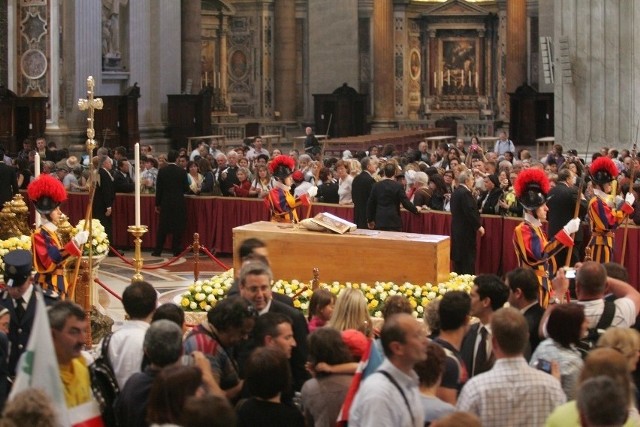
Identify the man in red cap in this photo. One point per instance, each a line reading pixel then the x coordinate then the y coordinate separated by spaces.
pixel 280 200
pixel 603 212
pixel 49 254
pixel 533 249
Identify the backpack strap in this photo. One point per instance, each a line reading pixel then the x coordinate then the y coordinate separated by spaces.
pixel 608 313
pixel 395 383
pixel 104 349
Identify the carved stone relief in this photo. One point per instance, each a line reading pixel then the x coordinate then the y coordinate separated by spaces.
pixel 33 49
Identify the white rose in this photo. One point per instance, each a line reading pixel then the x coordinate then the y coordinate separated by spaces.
pixel 211 298
pixel 200 296
pixel 193 305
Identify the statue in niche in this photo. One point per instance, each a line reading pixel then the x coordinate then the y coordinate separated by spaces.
pixel 111 52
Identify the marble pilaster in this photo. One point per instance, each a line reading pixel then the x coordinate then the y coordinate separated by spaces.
pixel 516 44
pixel 4 43
pixel 191 23
pixel 383 54
pixel 284 61
pixel 333 45
pixel 597 102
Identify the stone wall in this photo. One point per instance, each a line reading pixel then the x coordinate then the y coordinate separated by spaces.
pixel 598 103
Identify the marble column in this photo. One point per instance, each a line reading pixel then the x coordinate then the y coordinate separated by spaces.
pixel 383 67
pixel 285 58
pixel 4 43
pixel 516 44
pixel 224 29
pixel 191 22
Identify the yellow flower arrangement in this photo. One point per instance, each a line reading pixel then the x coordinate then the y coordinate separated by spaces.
pixel 202 295
pixel 98 238
pixel 13 243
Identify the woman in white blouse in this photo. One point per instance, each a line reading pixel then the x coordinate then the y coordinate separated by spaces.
pixel 344 182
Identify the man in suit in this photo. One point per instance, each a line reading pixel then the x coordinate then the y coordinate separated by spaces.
pixel 383 207
pixel 488 295
pixel 255 286
pixel 361 190
pixel 122 178
pixel 523 295
pixel 465 223
pixel 562 204
pixel 8 180
pixel 19 299
pixel 171 186
pixel 104 196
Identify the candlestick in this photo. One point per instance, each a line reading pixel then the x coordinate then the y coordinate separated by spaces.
pixel 36 165
pixel 138 232
pixel 137 182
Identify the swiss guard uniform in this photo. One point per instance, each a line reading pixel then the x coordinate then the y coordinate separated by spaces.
pixel 281 203
pixel 49 254
pixel 533 248
pixel 604 216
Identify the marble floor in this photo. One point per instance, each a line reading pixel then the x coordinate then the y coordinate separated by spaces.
pixel 169 282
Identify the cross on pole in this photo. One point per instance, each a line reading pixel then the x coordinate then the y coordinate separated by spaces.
pixel 90 104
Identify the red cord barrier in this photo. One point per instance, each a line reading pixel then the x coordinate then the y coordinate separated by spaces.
pixel 154 267
pixel 216 260
pixel 108 289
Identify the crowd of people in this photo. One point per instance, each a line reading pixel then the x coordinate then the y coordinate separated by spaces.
pixel 534 347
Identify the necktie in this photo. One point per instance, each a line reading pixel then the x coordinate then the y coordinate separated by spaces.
pixel 480 363
pixel 20 310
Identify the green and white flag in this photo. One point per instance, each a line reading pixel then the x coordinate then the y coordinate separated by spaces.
pixel 38 365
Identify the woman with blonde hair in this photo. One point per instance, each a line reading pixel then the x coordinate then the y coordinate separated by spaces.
pixel 624 340
pixel 351 312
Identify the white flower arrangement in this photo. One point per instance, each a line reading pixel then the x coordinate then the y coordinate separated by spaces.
pixel 11 244
pixel 98 238
pixel 202 295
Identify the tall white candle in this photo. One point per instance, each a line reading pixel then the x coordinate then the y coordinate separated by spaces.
pixel 469 78
pixel 136 151
pixel 476 79
pixel 36 168
pixel 435 79
pixel 449 77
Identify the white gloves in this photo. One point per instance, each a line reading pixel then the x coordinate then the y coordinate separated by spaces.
pixel 629 198
pixel 312 191
pixel 572 226
pixel 81 238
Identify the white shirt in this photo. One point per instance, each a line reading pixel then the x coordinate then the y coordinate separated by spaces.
pixel 379 403
pixel 126 349
pixel 624 316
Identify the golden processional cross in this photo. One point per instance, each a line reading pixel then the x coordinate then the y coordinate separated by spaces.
pixel 90 104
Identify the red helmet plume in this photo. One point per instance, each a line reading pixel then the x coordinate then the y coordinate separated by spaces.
pixel 282 166
pixel 531 188
pixel 46 193
pixel 603 170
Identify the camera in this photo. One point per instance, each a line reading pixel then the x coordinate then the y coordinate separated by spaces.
pixel 570 273
pixel 543 365
pixel 474 147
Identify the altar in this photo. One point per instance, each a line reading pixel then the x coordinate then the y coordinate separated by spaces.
pixel 360 256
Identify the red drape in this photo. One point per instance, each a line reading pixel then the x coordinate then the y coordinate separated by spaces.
pixel 215 217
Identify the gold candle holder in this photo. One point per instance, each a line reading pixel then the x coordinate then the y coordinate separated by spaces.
pixel 137 231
